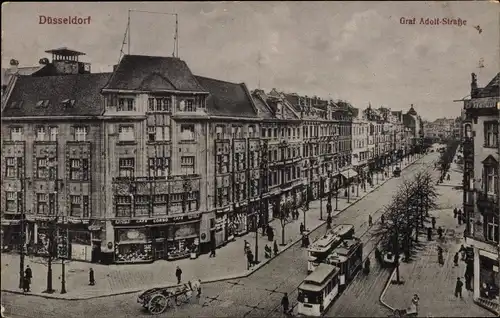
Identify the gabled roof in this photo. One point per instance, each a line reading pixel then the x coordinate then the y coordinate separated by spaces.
pixel 492 89
pixel 294 100
pixel 153 73
pixel 259 100
pixel 51 91
pixel 227 99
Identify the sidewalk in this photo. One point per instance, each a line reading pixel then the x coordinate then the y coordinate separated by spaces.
pixel 229 263
pixel 435 284
pixel 456 175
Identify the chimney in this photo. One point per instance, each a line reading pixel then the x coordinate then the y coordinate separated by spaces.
pixel 473 86
pixel 14 65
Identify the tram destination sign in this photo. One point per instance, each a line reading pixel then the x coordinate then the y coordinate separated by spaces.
pixel 482 103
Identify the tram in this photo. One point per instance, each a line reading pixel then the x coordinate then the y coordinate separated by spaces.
pixel 325 245
pixel 348 257
pixel 318 291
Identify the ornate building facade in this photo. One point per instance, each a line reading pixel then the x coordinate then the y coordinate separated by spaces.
pixel 481 189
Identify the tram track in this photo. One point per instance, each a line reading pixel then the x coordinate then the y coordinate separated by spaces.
pixel 276 308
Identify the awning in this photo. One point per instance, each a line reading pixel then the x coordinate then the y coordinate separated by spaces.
pixel 349 173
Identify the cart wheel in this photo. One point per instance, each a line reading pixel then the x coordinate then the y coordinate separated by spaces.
pixel 157 304
pixel 180 299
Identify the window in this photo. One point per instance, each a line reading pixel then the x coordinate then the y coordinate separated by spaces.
pixel 42 203
pixel 160 104
pixel 123 206
pixel 192 201
pixel 251 131
pixel 239 161
pixel 126 133
pixel 11 169
pixel 222 164
pixel 16 134
pixel 79 169
pixel 126 167
pixel 86 211
pixel 40 133
pixel 490 134
pixel 190 106
pixel 491 228
pixel 126 104
pixel 53 131
pixel 222 196
pixel 491 183
pixel 11 201
pixel 159 169
pixel 42 103
pixel 187 132
pixel 158 133
pixel 220 132
pixel 52 166
pixel 80 133
pixel 187 165
pixel 75 207
pixel 41 168
pixel 52 203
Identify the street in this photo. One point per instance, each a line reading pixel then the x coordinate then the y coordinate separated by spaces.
pixel 257 295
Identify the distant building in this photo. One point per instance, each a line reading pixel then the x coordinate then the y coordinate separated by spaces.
pixel 481 189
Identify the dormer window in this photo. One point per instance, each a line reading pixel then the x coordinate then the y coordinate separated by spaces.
pixel 219 132
pixel 42 103
pixel 68 102
pixel 251 131
pixel 126 104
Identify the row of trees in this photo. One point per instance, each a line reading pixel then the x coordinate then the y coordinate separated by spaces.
pixel 447 156
pixel 404 217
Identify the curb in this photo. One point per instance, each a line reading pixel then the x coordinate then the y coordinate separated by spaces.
pixel 382 294
pixel 213 280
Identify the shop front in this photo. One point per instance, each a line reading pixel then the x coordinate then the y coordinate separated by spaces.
pixel 238 222
pixel 133 245
pixel 488 278
pixel 11 235
pixel 219 232
pixel 183 239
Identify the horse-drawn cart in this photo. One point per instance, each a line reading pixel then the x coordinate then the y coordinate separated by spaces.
pixel 157 300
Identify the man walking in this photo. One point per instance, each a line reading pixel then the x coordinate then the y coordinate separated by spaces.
pixel 91 277
pixel 329 222
pixel 285 303
pixel 29 275
pixel 302 228
pixel 178 274
pixel 370 220
pixel 433 221
pixel 458 288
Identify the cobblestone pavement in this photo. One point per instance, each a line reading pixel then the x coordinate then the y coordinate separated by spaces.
pixel 256 295
pixel 435 284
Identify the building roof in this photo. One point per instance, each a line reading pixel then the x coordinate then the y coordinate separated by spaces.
pixel 81 91
pixel 65 51
pixel 29 70
pixel 259 98
pixel 492 89
pixel 227 99
pixel 321 273
pixel 153 73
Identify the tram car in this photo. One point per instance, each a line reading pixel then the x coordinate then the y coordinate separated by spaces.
pixel 324 246
pixel 348 257
pixel 318 291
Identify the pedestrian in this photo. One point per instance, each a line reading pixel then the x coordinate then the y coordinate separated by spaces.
pixel 285 303
pixel 268 251
pixel 275 248
pixel 433 221
pixel 382 219
pixel 329 222
pixel 198 291
pixel 463 252
pixel 459 218
pixel 302 228
pixel 250 259
pixel 455 212
pixel 370 220
pixel 91 277
pixel 212 251
pixel 458 288
pixel 429 234
pixel 245 249
pixel 440 232
pixel 455 259
pixel 28 274
pixel 26 284
pixel 178 274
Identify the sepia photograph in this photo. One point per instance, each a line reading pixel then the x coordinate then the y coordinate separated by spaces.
pixel 250 159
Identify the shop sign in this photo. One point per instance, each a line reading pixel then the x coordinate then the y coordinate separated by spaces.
pixel 160 220
pixel 478 103
pixel 119 222
pixel 193 216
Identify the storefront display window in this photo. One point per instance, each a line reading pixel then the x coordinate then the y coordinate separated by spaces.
pixel 79 237
pixel 182 240
pixel 488 278
pixel 133 245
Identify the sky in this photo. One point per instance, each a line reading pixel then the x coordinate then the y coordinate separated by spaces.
pixel 354 51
